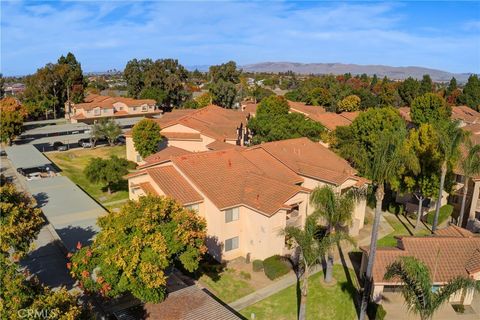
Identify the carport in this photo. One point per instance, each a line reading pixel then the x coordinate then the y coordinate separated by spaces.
pixel 71 212
pixel 28 158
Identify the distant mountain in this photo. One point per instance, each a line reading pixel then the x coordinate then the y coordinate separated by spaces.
pixel 397 73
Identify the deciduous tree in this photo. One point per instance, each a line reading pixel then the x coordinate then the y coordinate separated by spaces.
pixel 429 108
pixel 349 103
pixel 11 119
pixel 223 93
pixel 146 137
pixel 106 171
pixel 20 221
pixel 135 247
pixel 110 130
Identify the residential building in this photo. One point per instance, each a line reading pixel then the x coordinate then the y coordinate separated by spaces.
pixel 449 253
pixel 96 107
pixel 464 114
pixel 329 120
pixel 198 130
pixel 248 195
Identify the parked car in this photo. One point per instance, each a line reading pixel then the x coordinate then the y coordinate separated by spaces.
pixel 121 140
pixel 34 176
pixel 85 143
pixel 60 146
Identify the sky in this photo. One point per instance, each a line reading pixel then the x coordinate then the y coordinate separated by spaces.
pixel 105 35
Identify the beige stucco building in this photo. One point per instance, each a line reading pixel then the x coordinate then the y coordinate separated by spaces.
pixel 449 253
pixel 96 107
pixel 209 128
pixel 247 195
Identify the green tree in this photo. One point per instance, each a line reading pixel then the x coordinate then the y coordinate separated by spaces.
pixel 135 247
pixel 409 90
pixel 418 289
pixel 146 137
pixel 426 85
pixel 227 72
pixel 20 221
pixel 349 103
pixel 154 93
pixel 204 100
pixel 318 97
pixel 450 137
pixel 11 120
pixel 259 93
pixel 471 93
pixel 2 86
pixel 134 74
pixel 273 105
pixel 22 292
pixel 223 93
pixel 429 108
pixel 452 86
pixel 358 141
pixel 310 253
pixel 110 130
pixel 470 166
pixel 106 171
pixel 73 78
pixel 336 210
pixel 387 160
pixel 423 143
pixel 169 76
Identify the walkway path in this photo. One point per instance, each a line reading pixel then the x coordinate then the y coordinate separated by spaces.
pixel 114 202
pixel 291 278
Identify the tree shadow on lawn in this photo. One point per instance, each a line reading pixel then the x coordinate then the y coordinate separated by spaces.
pixel 349 285
pixel 122 185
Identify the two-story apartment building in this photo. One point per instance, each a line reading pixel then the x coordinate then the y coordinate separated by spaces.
pixel 96 107
pixel 247 195
pixel 208 128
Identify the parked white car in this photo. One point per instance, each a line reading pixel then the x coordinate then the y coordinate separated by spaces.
pixel 34 176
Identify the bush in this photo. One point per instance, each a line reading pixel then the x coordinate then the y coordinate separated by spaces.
pixel 257 265
pixel 245 275
pixel 444 214
pixel 275 267
pixel 376 311
pixel 395 208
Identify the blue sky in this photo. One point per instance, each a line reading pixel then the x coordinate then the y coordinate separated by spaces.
pixel 105 35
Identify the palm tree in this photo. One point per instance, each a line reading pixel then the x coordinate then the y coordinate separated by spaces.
pixel 450 139
pixel 389 158
pixel 470 165
pixel 310 251
pixel 337 210
pixel 417 286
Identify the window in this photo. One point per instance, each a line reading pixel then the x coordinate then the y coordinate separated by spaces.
pixel 192 207
pixel 231 244
pixel 231 215
pixel 144 108
pixel 139 158
pixel 96 112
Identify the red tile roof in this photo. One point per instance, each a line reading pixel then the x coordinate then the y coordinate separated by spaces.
pixel 213 121
pixel 329 120
pixel 447 254
pixel 171 182
pixel 219 145
pixel 162 156
pixel 106 102
pixel 229 178
pixel 311 159
pixel 148 188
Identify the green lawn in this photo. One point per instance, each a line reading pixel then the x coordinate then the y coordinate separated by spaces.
pixel 443 215
pixel 400 229
pixel 323 302
pixel 73 162
pixel 228 285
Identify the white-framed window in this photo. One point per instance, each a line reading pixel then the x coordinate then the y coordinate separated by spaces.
pixel 231 244
pixel 232 214
pixel 144 108
pixel 96 112
pixel 194 207
pixel 139 158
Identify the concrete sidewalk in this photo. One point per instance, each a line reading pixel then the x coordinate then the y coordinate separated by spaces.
pixel 291 278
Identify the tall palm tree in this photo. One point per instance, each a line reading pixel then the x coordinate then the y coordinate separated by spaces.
pixel 450 139
pixel 311 252
pixel 389 158
pixel 417 286
pixel 337 210
pixel 470 165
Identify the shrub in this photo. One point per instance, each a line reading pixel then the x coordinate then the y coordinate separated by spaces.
pixel 275 267
pixel 245 275
pixel 257 265
pixel 376 311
